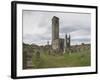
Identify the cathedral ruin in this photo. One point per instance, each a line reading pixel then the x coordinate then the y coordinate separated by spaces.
pixel 59 44
pixel 32 54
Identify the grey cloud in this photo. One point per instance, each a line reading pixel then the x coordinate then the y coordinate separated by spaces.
pixel 34 38
pixel 78 25
pixel 67 29
pixel 82 39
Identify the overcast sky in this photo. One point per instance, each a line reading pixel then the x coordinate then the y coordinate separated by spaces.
pixel 37 26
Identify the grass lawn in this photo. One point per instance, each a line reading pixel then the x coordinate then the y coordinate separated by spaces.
pixel 66 60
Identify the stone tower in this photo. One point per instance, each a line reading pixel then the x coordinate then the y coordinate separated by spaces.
pixel 66 43
pixel 55 33
pixel 58 44
pixel 55 28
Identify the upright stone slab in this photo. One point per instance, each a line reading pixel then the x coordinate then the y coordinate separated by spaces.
pixel 37 55
pixel 24 60
pixel 27 59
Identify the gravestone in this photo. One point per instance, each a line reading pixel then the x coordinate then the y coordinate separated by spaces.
pixel 27 59
pixel 37 59
pixel 37 55
pixel 24 60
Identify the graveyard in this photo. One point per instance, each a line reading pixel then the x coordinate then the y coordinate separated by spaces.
pixel 42 58
pixel 58 53
pixel 66 60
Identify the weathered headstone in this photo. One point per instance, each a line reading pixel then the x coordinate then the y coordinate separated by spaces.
pixel 24 60
pixel 37 55
pixel 37 59
pixel 27 59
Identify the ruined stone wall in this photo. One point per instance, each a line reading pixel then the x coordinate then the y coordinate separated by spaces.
pixel 55 44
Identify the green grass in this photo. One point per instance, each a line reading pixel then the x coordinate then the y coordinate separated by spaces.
pixel 66 60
